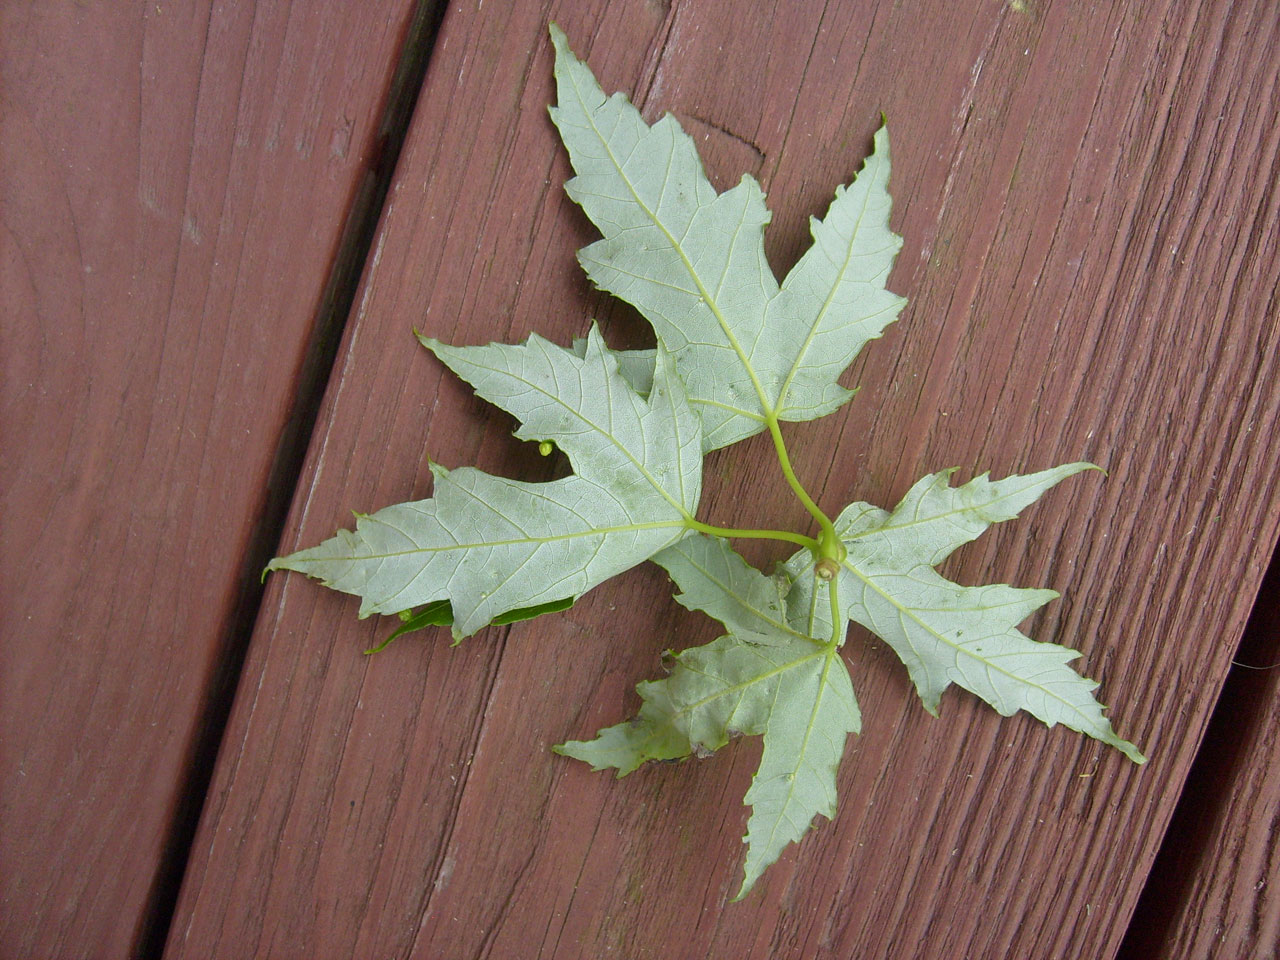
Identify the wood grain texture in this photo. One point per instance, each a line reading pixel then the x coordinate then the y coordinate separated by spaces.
pixel 1088 200
pixel 177 179
pixel 1212 891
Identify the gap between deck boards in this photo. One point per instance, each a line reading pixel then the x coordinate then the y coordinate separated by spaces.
pixel 326 336
pixel 1186 848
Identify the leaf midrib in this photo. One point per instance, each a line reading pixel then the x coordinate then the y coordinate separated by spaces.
pixel 822 312
pixel 594 532
pixel 765 407
pixel 829 652
pixel 948 513
pixel 752 681
pixel 644 471
pixel 724 587
pixel 959 648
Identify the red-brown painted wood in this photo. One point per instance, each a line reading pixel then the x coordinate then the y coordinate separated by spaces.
pixel 1087 196
pixel 1212 891
pixel 177 180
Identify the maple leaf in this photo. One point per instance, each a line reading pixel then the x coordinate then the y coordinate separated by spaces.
pixel 737 353
pixel 946 633
pixel 692 262
pixel 491 545
pixel 772 676
pixel 768 677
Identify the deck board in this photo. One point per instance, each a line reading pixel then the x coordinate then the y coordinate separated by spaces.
pixel 177 182
pixel 1212 889
pixel 1090 217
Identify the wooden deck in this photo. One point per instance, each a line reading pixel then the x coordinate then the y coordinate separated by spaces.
pixel 214 252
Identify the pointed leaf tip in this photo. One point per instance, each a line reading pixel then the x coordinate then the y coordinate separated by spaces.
pixel 1130 751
